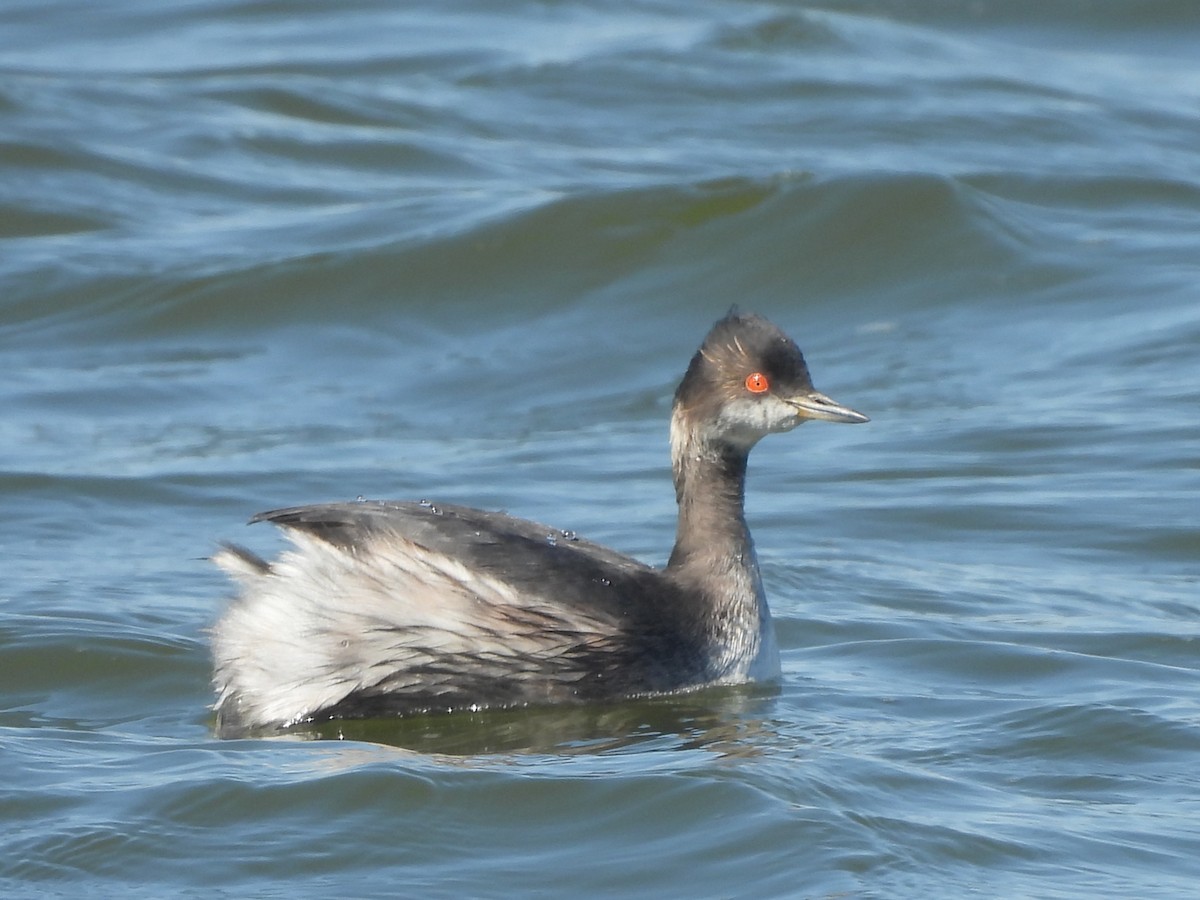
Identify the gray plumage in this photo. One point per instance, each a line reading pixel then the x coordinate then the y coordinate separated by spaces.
pixel 383 608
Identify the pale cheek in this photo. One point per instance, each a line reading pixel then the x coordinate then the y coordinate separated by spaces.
pixel 786 417
pixel 753 419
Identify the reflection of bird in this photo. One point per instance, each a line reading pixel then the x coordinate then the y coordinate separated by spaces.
pixel 386 608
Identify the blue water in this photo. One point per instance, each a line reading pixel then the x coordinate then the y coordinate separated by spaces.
pixel 255 254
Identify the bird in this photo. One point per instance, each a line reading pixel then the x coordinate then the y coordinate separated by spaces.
pixel 393 608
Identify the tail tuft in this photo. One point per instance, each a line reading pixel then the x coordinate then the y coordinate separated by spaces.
pixel 241 563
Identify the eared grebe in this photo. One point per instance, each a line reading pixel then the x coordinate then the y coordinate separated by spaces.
pixel 387 608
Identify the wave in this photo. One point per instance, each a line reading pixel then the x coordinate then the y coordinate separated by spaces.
pixel 879 240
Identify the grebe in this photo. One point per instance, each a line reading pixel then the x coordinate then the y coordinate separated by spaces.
pixel 385 608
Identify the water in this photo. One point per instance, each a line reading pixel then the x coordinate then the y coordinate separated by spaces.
pixel 257 254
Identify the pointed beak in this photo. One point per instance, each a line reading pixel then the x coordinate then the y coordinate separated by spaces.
pixel 815 405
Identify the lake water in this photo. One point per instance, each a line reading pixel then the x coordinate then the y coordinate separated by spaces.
pixel 256 254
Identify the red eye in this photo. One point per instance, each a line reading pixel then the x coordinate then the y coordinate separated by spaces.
pixel 756 382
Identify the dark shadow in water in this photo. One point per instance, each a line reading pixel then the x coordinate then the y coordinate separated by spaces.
pixel 728 721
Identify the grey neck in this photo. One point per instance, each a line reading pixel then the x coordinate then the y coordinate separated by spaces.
pixel 714 557
pixel 710 486
pixel 713 549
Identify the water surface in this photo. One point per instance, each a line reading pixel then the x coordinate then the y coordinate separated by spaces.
pixel 257 254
